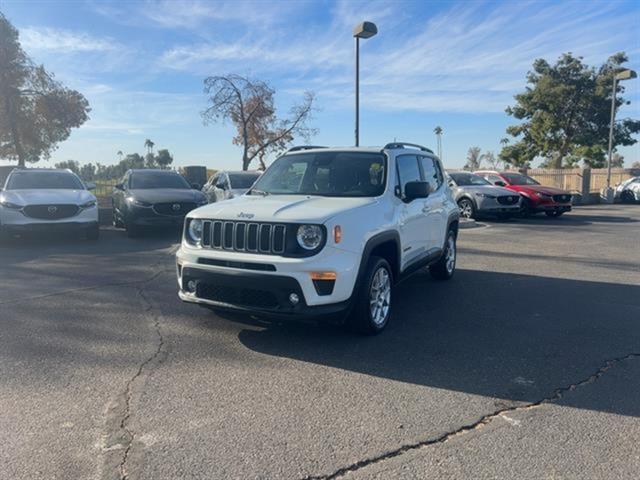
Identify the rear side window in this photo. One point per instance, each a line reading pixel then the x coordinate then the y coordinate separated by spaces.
pixel 432 174
pixel 408 170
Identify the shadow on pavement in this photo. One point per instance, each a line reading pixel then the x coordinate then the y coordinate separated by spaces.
pixel 514 337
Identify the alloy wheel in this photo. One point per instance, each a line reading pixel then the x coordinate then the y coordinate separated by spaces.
pixel 380 296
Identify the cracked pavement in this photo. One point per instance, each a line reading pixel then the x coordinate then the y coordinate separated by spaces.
pixel 525 365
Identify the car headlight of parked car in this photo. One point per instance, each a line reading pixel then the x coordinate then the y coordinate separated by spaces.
pixel 310 237
pixel 194 230
pixel 89 204
pixel 138 203
pixel 10 205
pixel 485 195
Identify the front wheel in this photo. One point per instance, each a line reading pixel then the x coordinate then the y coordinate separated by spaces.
pixel 445 267
pixel 467 209
pixel 553 213
pixel 372 309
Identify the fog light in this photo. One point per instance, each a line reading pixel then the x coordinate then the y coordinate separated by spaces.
pixel 294 298
pixel 191 286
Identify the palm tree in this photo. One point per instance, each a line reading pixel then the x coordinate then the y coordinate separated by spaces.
pixel 438 132
pixel 504 142
pixel 120 155
pixel 148 144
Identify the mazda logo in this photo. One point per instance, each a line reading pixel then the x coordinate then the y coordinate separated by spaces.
pixel 175 207
pixel 52 209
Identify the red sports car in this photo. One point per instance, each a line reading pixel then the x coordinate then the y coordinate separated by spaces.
pixel 535 197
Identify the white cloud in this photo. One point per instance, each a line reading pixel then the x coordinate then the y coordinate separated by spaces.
pixel 65 41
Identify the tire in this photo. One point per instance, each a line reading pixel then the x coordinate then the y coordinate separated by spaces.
pixel 467 208
pixel 116 221
pixel 445 267
pixel 526 209
pixel 93 233
pixel 627 196
pixel 376 284
pixel 553 214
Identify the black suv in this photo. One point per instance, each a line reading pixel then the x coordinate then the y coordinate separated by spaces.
pixel 148 198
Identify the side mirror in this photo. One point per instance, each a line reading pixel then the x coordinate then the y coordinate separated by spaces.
pixel 90 185
pixel 500 183
pixel 196 186
pixel 413 190
pixel 119 186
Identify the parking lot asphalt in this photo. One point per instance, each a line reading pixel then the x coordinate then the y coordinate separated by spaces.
pixel 525 365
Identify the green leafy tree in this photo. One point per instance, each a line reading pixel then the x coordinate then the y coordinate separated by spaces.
pixel 565 113
pixel 36 112
pixel 150 161
pixel 474 159
pixel 72 165
pixel 164 158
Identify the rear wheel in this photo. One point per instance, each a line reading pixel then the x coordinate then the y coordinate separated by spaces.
pixel 526 208
pixel 372 309
pixel 444 268
pixel 627 196
pixel 467 209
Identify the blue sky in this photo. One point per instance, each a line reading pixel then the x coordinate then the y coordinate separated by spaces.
pixel 456 64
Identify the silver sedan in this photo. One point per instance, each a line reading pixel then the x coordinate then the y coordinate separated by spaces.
pixel 476 196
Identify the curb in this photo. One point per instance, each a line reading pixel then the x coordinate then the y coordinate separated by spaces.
pixel 467 223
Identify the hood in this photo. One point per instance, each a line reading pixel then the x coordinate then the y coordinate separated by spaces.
pixel 487 189
pixel 542 189
pixel 161 195
pixel 45 197
pixel 285 208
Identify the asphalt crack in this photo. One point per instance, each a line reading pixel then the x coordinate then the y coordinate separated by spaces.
pixel 482 422
pixel 119 440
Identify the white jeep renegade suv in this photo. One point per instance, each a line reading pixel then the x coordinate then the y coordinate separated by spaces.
pixel 324 233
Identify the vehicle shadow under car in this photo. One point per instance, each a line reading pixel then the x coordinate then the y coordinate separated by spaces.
pixel 514 337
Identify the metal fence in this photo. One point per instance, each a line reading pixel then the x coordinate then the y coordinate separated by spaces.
pixel 571 179
pixel 103 191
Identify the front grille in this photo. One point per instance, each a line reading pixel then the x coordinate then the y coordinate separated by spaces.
pixel 175 209
pixel 508 199
pixel 246 297
pixel 251 237
pixel 50 212
pixel 564 198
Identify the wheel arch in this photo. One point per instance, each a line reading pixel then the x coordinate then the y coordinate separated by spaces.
pixel 385 245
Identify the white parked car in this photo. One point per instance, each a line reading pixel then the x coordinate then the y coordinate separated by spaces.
pixel 629 190
pixel 324 233
pixel 227 184
pixel 47 200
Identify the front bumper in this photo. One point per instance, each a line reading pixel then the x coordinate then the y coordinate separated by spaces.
pixel 251 293
pixel 58 227
pixel 276 275
pixel 147 217
pixel 15 220
pixel 491 206
pixel 552 207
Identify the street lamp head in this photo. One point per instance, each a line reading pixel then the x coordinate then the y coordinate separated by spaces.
pixel 626 75
pixel 365 30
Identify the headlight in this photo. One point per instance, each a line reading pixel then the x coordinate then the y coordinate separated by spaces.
pixel 194 230
pixel 13 206
pixel 138 203
pixel 544 195
pixel 89 204
pixel 485 195
pixel 310 237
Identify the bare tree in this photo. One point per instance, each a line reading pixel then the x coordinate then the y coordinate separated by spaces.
pixel 474 159
pixel 249 105
pixel 494 162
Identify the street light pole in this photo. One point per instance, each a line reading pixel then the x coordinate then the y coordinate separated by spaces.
pixel 357 92
pixel 622 75
pixel 363 30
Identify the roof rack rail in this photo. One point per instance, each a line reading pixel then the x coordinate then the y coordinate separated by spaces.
pixel 305 147
pixel 394 145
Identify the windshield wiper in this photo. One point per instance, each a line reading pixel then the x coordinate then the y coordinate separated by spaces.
pixel 259 192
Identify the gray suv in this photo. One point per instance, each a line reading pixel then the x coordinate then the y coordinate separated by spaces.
pixel 475 196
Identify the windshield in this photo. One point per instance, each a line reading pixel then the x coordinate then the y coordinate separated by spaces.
pixel 331 174
pixel 243 180
pixel 467 179
pixel 44 180
pixel 146 180
pixel 519 179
